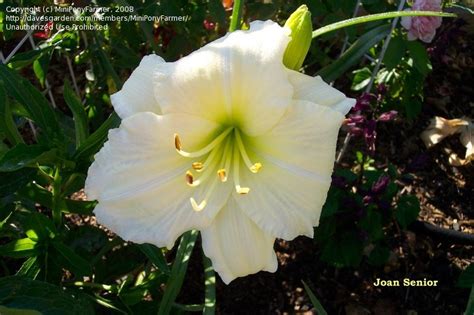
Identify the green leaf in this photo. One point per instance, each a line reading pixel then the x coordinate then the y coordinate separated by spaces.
pixel 30 268
pixel 372 224
pixel 24 59
pixel 12 181
pixel 78 112
pixel 78 265
pixel 7 123
pixel 35 103
pixel 23 293
pixel 353 55
pixel 178 271
pixel 23 155
pixel 316 304
pixel 95 140
pixel 413 107
pixel 156 256
pixel 395 52
pixel 20 248
pixel 42 227
pixel 470 303
pixel 361 79
pixel 466 279
pixel 44 197
pixel 346 251
pixel 17 311
pixel 421 60
pixel 210 285
pixel 379 255
pixel 41 65
pixel 331 206
pixel 408 208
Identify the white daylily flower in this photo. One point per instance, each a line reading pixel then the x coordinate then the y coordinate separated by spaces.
pixel 227 141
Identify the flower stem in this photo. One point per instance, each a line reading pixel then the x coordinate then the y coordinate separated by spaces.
pixel 56 192
pixel 375 17
pixel 236 15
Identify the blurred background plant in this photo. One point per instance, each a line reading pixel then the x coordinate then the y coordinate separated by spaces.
pixel 55 113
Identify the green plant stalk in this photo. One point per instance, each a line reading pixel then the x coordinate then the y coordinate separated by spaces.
pixel 376 17
pixel 236 15
pixel 56 192
pixel 210 283
pixel 316 304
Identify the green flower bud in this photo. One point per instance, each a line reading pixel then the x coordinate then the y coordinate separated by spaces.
pixel 301 28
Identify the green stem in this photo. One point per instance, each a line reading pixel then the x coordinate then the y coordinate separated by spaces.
pixel 56 192
pixel 375 17
pixel 236 15
pixel 210 283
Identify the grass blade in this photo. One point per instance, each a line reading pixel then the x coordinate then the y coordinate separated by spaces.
pixel 178 271
pixel 316 304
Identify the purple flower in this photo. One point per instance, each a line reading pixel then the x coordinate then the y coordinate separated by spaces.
pixel 363 102
pixel 381 184
pixel 387 116
pixel 356 119
pixel 382 89
pixel 370 134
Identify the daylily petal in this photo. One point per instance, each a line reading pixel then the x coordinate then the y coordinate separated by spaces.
pixel 314 89
pixel 287 195
pixel 219 81
pixel 236 245
pixel 137 93
pixel 139 179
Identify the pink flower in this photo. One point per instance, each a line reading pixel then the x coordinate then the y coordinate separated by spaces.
pixel 423 27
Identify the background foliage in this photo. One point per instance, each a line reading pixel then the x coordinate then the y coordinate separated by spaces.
pixel 55 113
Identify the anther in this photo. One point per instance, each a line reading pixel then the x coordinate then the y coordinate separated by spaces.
pixel 242 190
pixel 198 166
pixel 253 167
pixel 208 148
pixel 222 175
pixel 256 167
pixel 189 178
pixel 198 207
pixel 177 142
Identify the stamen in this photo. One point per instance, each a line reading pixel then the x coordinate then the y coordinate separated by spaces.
pixel 177 142
pixel 198 166
pixel 204 150
pixel 226 159
pixel 222 175
pixel 209 160
pixel 189 178
pixel 199 207
pixel 238 188
pixel 253 167
pixel 208 168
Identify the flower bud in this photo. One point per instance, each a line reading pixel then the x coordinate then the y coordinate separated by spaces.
pixel 301 29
